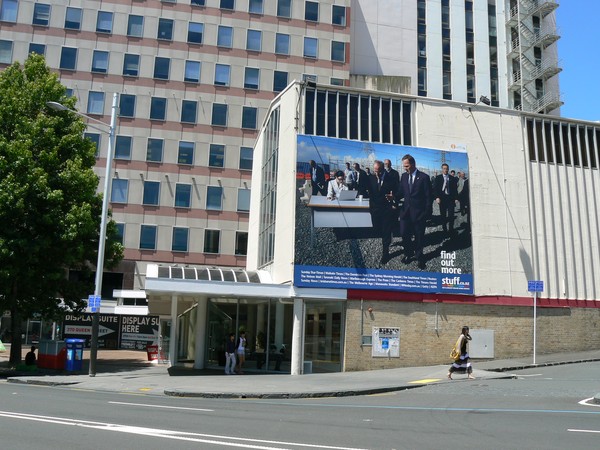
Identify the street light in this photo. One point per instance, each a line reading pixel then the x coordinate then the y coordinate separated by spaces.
pixel 106 195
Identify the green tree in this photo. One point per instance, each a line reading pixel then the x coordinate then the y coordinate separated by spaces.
pixel 49 206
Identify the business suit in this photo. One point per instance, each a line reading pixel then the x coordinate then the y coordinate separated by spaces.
pixel 383 210
pixel 361 182
pixel 415 210
pixel 447 193
pixel 317 176
pixel 463 198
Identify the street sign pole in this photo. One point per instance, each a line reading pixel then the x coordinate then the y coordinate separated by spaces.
pixel 534 323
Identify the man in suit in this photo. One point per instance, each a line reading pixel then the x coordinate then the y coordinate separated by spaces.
pixel 387 165
pixel 446 193
pixel 415 189
pixel 317 176
pixel 361 181
pixel 463 197
pixel 382 190
pixel 349 174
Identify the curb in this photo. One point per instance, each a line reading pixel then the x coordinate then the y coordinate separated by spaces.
pixel 547 364
pixel 41 382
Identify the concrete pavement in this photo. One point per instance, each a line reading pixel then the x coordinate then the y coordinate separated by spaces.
pixel 129 372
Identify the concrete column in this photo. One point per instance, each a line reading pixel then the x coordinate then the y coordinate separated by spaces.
pixel 298 338
pixel 200 350
pixel 173 336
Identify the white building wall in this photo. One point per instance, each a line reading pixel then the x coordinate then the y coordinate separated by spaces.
pixel 434 49
pixel 482 49
pixel 458 49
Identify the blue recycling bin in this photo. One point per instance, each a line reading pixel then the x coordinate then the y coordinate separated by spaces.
pixel 74 362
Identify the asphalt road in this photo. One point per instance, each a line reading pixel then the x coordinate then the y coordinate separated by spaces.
pixel 544 408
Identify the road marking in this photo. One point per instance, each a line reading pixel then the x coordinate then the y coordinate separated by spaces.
pixel 160 406
pixel 585 402
pixel 426 380
pixel 583 431
pixel 530 375
pixel 212 439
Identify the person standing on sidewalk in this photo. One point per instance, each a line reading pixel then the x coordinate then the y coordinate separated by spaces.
pixel 241 352
pixel 230 355
pixel 462 363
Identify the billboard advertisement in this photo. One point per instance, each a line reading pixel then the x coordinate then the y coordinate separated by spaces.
pixel 382 216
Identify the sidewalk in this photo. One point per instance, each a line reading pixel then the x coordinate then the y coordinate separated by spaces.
pixel 129 372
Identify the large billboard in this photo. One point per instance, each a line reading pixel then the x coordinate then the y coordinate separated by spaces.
pixel 369 218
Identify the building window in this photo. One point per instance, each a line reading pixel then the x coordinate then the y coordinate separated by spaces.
pixel 246 158
pixel 222 72
pixel 41 15
pixel 127 105
pixel 180 239
pixel 161 68
pixel 225 36
pixel 254 40
pixel 251 78
pixel 280 81
pixel 188 111
pixel 211 241
pixel 336 81
pixel 255 6
pixel 154 150
pixel 100 61
pixel 282 44
pixel 183 195
pixel 118 192
pixel 214 198
pixel 198 2
pixel 311 11
pixel 338 51
pixel 151 193
pixel 310 47
pixel 158 108
pixel 95 103
pixel 249 115
pixel 120 232
pixel 39 49
pixel 195 32
pixel 338 15
pixel 165 29
pixel 131 65
pixel 192 71
pixel 135 26
pixel 216 155
pixel 241 243
pixel 6 52
pixel 219 114
pixel 68 58
pixel 284 8
pixel 123 147
pixel 73 18
pixel 104 22
pixel 243 200
pixel 148 237
pixel 227 4
pixel 185 154
pixel 95 138
pixel 309 77
pixel 8 10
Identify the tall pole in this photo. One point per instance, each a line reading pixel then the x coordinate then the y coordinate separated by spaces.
pixel 534 323
pixel 102 237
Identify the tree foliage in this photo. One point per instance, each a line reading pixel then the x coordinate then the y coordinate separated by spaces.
pixel 49 206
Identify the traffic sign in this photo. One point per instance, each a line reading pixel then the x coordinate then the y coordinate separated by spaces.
pixel 94 302
pixel 535 286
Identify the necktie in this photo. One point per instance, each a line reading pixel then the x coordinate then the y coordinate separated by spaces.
pixel 445 187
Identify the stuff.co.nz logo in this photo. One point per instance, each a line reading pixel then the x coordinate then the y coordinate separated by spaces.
pixel 455 283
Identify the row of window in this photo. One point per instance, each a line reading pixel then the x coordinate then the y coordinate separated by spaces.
pixel 183 195
pixel 104 19
pixel 180 239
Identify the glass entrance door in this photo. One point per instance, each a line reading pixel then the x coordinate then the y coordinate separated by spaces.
pixel 323 336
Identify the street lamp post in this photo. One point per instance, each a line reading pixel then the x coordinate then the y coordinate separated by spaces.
pixel 104 218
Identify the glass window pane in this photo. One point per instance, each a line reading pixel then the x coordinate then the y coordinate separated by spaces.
pixel 241 243
pixel 222 74
pixel 282 44
pixel 40 49
pixel 123 147
pixel 251 78
pixel 254 40
pixel 100 62
pixel 180 239
pixel 8 10
pixel 338 15
pixel 68 58
pixel 255 6
pixel 225 36
pixel 310 47
pixel 219 114
pixel 73 18
pixel 127 105
pixel 95 138
pixel 192 71
pixel 227 4
pixel 195 32
pixel 118 192
pixel 41 14
pixel 154 150
pixel 120 232
pixel 243 200
pixel 214 196
pixel 151 193
pixel 161 68
pixel 284 8
pixel 280 81
pixel 6 51
pixel 249 115
pixel 95 103
pixel 186 153
pixel 188 111
pixel 104 22
pixel 198 2
pixel 165 29
pixel 148 237
pixel 246 158
pixel 131 65
pixel 158 108
pixel 311 11
pixel 216 156
pixel 135 26
pixel 211 241
pixel 338 51
pixel 183 195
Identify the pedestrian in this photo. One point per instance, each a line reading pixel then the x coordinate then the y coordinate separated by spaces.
pixel 462 364
pixel 241 352
pixel 30 359
pixel 230 355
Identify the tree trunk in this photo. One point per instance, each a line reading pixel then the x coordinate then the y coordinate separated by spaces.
pixel 15 343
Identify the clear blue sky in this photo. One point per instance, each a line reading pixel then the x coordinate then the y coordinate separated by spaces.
pixel 579 57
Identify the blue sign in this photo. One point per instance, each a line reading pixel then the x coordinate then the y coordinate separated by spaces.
pixel 535 286
pixel 94 302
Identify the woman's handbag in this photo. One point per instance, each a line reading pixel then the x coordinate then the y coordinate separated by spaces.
pixel 454 354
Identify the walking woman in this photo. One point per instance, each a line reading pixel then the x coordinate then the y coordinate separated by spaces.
pixel 462 364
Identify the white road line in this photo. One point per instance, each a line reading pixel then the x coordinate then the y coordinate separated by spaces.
pixel 160 406
pixel 583 431
pixel 171 434
pixel 585 402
